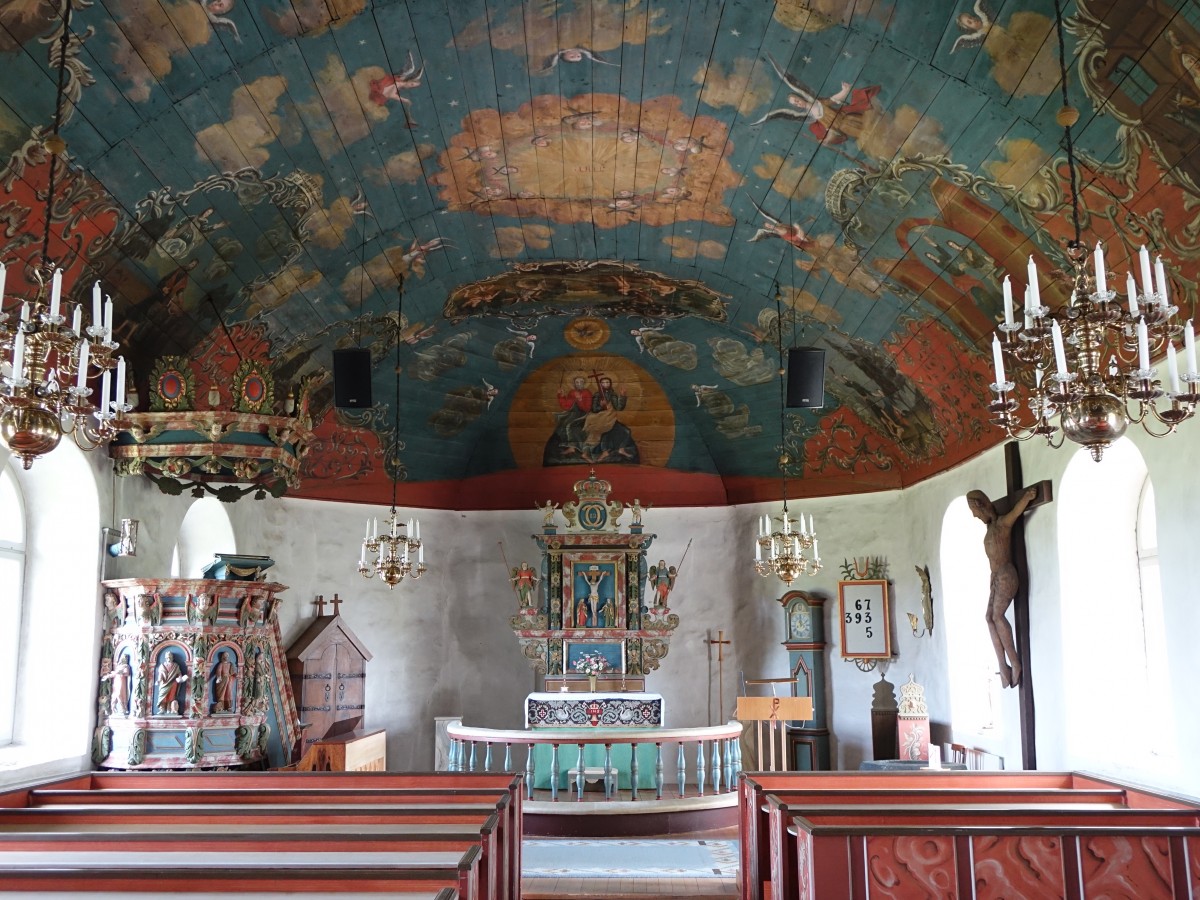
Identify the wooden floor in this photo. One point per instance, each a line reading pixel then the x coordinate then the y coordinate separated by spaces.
pixel 636 888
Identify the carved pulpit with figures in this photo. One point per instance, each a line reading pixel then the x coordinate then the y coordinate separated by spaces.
pixel 590 600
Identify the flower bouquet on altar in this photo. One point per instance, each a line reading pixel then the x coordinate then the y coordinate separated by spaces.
pixel 591 665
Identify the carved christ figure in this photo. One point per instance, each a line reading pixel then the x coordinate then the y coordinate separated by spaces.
pixel 997 543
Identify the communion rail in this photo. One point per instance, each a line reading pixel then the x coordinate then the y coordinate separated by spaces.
pixel 715 750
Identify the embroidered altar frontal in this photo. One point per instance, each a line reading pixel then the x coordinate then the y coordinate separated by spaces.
pixel 593 710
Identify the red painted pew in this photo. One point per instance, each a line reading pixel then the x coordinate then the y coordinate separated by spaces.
pixel 928 787
pixel 918 852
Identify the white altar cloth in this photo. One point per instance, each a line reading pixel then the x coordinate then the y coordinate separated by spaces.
pixel 603 709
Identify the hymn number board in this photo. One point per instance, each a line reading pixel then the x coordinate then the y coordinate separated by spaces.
pixel 863 606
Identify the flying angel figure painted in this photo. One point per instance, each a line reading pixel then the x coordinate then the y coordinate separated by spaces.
pixel 832 119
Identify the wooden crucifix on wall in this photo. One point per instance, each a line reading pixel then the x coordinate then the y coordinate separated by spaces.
pixel 1004 543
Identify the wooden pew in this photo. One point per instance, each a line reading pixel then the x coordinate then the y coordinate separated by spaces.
pixel 928 787
pixel 964 853
pixel 291 801
pixel 265 873
pixel 66 838
pixel 511 830
pixel 444 894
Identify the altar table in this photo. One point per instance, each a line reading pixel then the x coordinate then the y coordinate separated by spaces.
pixel 601 709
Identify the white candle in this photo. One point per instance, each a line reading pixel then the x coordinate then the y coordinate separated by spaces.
pixel 816 555
pixel 410 527
pixel 81 378
pixel 375 528
pixel 1101 275
pixel 1035 293
pixel 418 525
pixel 24 310
pixel 96 320
pixel 1060 353
pixel 104 380
pixel 421 555
pixel 18 354
pixel 1144 263
pixel 108 318
pixel 1189 347
pixel 757 551
pixel 1074 297
pixel 55 292
pixel 1173 369
pixel 1008 301
pixel 812 529
pixel 362 556
pixel 367 533
pixel 1131 289
pixel 76 319
pixel 3 276
pixel 1160 279
pixel 1143 345
pixel 120 397
pixel 998 360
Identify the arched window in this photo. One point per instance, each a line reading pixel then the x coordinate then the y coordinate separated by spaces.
pixel 58 655
pixel 12 577
pixel 975 677
pixel 1114 645
pixel 205 532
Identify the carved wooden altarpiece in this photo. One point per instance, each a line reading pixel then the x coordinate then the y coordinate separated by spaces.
pixel 591 595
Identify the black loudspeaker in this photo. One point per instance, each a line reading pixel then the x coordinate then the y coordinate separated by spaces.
pixel 806 377
pixel 352 378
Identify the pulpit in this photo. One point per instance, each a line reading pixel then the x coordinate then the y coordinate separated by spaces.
pixel 192 675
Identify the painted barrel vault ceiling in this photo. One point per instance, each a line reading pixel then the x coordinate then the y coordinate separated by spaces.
pixel 578 190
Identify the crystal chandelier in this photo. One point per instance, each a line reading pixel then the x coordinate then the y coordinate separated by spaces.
pixel 782 552
pixel 46 391
pixel 391 555
pixel 1086 367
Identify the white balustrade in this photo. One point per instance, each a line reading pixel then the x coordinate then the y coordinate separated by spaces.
pixel 717 752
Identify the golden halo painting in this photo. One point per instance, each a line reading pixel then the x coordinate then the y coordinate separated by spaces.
pixel 586 333
pixel 590 409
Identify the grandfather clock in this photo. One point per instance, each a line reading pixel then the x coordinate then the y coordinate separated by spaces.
pixel 805 613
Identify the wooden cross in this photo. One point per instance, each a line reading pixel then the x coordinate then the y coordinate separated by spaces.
pixel 1013 479
pixel 720 643
pixel 336 602
pixel 319 603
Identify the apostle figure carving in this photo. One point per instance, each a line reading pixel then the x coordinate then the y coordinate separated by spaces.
pixel 170 676
pixel 224 678
pixel 120 676
pixel 997 543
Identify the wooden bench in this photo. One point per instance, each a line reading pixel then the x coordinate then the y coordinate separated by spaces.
pixel 289 812
pixel 511 827
pixel 82 872
pixel 1005 790
pixel 966 853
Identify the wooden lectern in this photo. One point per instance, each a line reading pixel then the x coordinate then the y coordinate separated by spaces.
pixel 774 711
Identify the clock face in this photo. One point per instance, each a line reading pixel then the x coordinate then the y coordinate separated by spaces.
pixel 800 622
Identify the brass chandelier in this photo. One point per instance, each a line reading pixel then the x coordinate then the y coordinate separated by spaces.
pixel 397 552
pixel 782 552
pixel 1085 368
pixel 46 392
